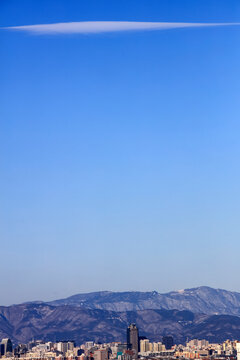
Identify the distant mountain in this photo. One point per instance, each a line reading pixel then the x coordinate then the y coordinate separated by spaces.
pixel 201 312
pixel 198 300
pixel 43 321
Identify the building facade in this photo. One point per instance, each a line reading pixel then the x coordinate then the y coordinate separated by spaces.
pixel 133 339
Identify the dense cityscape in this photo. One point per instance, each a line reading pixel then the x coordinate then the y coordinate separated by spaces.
pixel 135 347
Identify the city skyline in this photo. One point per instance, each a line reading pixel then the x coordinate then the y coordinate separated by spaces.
pixel 119 148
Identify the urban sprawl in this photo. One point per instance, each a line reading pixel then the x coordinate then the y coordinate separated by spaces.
pixel 135 347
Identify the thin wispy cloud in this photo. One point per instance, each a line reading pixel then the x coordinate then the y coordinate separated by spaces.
pixel 95 27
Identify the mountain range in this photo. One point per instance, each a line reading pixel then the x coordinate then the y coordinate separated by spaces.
pixel 203 299
pixel 201 312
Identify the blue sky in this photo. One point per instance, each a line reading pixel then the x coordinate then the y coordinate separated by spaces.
pixel 119 151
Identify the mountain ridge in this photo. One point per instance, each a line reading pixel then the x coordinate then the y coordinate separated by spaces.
pixel 202 299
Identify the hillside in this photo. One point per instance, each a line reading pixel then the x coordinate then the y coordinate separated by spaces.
pixel 42 321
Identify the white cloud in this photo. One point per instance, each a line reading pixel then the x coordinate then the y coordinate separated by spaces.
pixel 88 27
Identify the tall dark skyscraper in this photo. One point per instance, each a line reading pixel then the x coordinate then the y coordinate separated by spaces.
pixel 6 346
pixel 168 342
pixel 133 339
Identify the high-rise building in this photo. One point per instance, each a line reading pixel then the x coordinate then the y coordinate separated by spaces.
pixel 144 345
pixel 238 350
pixel 1 349
pixel 101 354
pixel 6 346
pixel 62 346
pixel 168 342
pixel 133 339
pixel 89 344
pixel 70 345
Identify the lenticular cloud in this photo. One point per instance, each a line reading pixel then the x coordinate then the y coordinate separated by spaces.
pixel 88 27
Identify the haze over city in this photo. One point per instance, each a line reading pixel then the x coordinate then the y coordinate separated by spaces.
pixel 119 143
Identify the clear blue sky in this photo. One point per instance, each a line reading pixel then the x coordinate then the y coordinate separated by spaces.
pixel 119 152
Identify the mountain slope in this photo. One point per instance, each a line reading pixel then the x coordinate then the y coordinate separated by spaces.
pixel 42 321
pixel 198 300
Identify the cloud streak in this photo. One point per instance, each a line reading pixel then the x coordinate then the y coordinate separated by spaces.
pixel 96 27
